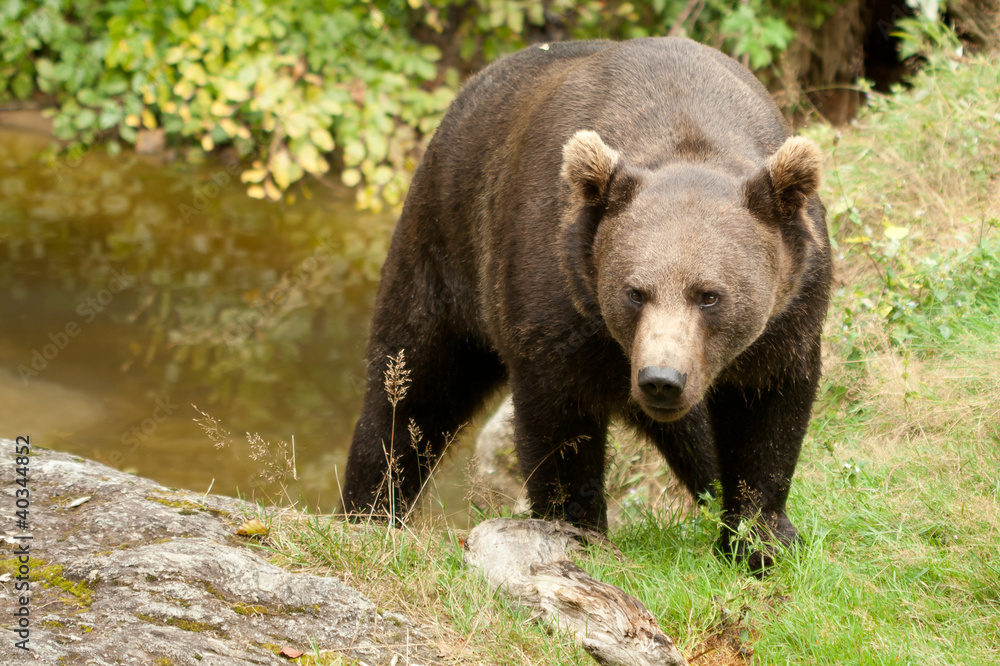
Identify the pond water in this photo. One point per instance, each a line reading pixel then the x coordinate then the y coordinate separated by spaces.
pixel 133 289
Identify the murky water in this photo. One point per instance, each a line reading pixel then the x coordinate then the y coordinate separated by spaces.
pixel 132 288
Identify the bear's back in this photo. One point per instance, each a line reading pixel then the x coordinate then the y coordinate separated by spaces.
pixel 487 196
pixel 640 95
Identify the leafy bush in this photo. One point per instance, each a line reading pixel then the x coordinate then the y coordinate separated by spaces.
pixel 293 85
pixel 285 82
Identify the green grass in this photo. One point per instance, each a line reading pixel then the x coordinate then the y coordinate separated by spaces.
pixel 897 493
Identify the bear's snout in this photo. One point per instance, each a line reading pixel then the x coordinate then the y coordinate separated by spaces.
pixel 662 385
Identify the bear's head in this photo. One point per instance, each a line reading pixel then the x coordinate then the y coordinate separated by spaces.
pixel 687 263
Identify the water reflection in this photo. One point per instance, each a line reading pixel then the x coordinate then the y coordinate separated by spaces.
pixel 132 288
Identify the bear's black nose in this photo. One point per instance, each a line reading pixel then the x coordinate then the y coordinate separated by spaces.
pixel 661 383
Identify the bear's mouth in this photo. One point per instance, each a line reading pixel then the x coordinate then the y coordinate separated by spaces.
pixel 664 414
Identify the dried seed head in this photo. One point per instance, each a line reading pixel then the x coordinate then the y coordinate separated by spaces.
pixel 397 378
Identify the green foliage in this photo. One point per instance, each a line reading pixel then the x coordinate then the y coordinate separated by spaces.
pixel 751 30
pixel 923 300
pixel 910 197
pixel 298 86
pixel 286 83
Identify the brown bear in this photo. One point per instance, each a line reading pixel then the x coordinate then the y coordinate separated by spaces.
pixel 620 231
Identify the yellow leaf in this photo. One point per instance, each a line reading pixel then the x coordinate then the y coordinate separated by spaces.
pixel 280 166
pixel 228 126
pixel 896 233
pixel 148 119
pixel 255 192
pixel 220 108
pixel 383 175
pixel 170 107
pixel 252 527
pixel 195 73
pixel 273 193
pixel 296 124
pixel 309 159
pixel 234 91
pixel 330 106
pixel 322 139
pixel 350 177
pixel 184 88
pixel 253 175
pixel 858 239
pixel 132 120
pixel 206 143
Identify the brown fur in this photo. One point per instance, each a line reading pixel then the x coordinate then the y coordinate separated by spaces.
pixel 795 173
pixel 562 183
pixel 588 164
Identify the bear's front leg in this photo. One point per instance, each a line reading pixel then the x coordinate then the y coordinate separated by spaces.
pixel 758 437
pixel 561 453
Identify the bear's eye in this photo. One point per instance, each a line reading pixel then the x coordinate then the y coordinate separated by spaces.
pixel 636 296
pixel 708 299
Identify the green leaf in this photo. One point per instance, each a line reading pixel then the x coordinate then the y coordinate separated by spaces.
pixel 354 152
pixel 127 133
pixel 89 98
pixel 22 86
pixel 377 146
pixel 430 52
pixel 109 117
pixel 113 84
pixel 247 76
pixel 84 119
pixel 45 68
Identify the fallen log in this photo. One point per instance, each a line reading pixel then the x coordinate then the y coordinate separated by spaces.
pixel 529 560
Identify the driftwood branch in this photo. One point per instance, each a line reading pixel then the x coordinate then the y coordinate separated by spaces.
pixel 529 560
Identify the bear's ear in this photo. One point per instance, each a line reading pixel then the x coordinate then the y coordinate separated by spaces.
pixel 589 166
pixel 789 178
pixel 795 173
pixel 602 184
